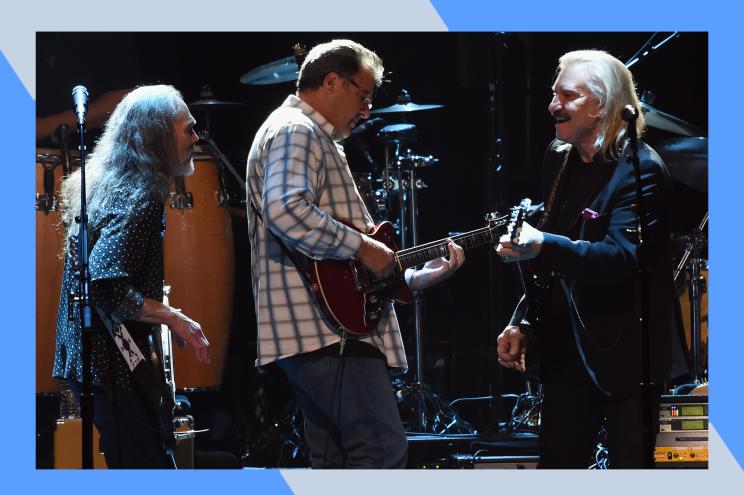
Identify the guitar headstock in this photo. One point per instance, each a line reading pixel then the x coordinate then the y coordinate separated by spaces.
pixel 516 219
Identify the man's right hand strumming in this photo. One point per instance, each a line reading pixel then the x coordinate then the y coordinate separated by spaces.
pixel 376 256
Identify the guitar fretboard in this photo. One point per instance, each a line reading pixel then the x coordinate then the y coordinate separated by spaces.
pixel 418 255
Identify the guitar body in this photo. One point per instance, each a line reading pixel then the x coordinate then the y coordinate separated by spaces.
pixel 349 295
pixel 353 300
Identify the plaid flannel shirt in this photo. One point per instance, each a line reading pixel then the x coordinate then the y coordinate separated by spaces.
pixel 299 181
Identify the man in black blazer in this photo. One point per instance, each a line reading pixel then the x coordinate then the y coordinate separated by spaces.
pixel 584 254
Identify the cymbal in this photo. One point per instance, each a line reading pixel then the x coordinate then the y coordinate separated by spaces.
pixel 279 71
pixel 208 104
pixel 404 104
pixel 664 121
pixel 687 160
pixel 405 107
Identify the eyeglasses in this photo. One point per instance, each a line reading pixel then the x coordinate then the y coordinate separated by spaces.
pixel 364 100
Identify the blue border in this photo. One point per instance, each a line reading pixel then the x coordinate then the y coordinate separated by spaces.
pixel 17 365
pixel 18 292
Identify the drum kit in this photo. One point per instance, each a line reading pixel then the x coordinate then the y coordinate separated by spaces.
pixel 686 158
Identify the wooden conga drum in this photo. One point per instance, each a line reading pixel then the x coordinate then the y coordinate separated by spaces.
pixel 684 303
pixel 200 268
pixel 49 262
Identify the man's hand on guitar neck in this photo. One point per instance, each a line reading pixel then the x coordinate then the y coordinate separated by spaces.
pixel 376 256
pixel 511 348
pixel 527 245
pixel 436 270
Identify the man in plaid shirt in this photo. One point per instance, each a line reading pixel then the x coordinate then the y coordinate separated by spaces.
pixel 299 183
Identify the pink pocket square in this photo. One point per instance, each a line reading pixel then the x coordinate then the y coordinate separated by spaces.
pixel 588 214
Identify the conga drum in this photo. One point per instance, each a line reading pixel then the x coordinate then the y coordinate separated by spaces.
pixel 49 245
pixel 684 303
pixel 200 268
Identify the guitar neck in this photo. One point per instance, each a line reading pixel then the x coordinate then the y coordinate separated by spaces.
pixel 408 258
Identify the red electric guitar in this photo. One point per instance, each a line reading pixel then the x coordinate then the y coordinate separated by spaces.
pixel 354 300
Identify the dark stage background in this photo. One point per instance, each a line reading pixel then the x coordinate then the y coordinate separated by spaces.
pixel 462 316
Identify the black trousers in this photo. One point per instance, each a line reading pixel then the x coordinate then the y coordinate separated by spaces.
pixel 351 419
pixel 572 414
pixel 127 427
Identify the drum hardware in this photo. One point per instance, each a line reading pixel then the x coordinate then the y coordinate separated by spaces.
pixel 405 105
pixel 279 71
pixel 442 418
pixel 692 262
pixel 687 160
pixel 431 413
pixel 209 144
pixel 410 160
pixel 48 200
pixel 649 48
pixel 180 199
pixel 207 105
pixel 212 104
pixel 394 185
pixel 666 122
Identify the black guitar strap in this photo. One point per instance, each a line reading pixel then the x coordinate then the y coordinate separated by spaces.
pixel 296 258
pixel 300 264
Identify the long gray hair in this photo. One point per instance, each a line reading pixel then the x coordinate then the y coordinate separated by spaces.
pixel 133 160
pixel 612 84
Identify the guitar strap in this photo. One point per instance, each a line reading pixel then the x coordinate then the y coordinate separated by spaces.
pixel 301 266
pixel 293 255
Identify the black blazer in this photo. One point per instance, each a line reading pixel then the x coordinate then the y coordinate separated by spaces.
pixel 598 274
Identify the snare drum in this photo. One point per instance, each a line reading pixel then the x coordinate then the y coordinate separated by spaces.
pixel 200 268
pixel 49 262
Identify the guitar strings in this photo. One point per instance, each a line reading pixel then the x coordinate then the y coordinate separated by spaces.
pixel 434 246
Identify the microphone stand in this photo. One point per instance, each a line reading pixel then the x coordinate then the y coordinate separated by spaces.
pixel 83 298
pixel 630 115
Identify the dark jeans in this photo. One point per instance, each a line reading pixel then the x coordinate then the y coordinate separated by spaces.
pixel 363 429
pixel 127 428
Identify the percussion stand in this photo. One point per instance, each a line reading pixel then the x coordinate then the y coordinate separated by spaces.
pixel 433 415
pixel 695 286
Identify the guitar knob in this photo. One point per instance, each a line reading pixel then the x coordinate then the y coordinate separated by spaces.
pixel 315 287
pixel 372 315
pixel 373 299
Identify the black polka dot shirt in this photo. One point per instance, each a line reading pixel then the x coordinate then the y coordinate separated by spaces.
pixel 126 265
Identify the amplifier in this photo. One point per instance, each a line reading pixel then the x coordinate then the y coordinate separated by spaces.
pixel 682 440
pixel 68 447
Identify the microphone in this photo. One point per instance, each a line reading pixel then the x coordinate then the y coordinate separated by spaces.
pixel 363 127
pixel 629 113
pixel 80 97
